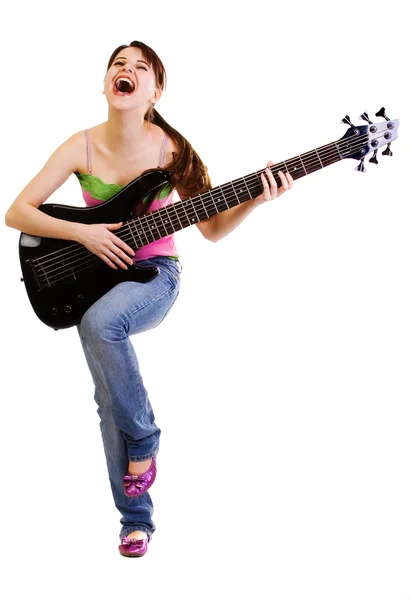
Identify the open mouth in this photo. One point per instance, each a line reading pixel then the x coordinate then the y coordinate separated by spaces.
pixel 123 86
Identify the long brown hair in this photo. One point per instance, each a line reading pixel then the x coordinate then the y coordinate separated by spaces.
pixel 187 169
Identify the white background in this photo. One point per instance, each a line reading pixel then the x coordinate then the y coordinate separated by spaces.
pixel 281 378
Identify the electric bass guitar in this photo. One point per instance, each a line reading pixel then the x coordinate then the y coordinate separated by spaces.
pixel 63 279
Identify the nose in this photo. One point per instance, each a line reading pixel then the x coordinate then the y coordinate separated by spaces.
pixel 128 67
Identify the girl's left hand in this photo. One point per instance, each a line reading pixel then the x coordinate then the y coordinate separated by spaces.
pixel 270 188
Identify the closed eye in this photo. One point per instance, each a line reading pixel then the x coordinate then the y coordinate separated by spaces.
pixel 121 63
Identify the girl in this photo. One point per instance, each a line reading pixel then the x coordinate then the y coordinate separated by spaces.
pixel 134 138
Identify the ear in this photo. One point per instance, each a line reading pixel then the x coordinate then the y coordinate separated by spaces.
pixel 156 96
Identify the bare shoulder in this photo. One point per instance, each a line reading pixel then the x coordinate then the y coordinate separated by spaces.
pixel 74 149
pixel 64 161
pixel 69 152
pixel 67 157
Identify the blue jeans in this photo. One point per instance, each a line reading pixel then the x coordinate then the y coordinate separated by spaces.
pixel 126 418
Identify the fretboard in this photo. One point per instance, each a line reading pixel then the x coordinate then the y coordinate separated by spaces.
pixel 172 218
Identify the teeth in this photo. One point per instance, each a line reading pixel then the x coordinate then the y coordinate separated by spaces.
pixel 126 80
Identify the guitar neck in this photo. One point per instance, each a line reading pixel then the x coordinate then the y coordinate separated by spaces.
pixel 172 218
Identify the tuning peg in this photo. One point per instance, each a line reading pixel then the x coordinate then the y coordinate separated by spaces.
pixel 347 121
pixel 373 159
pixel 361 167
pixel 381 113
pixel 387 151
pixel 365 117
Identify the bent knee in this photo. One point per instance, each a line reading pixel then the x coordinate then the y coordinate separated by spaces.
pixel 97 325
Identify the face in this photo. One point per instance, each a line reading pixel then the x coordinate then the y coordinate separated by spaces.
pixel 130 81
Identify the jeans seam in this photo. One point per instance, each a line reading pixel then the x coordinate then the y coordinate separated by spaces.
pixel 144 456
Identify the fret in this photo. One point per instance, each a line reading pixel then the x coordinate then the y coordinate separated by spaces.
pixel 182 213
pixel 200 197
pixel 288 167
pixel 242 190
pixel 173 207
pixel 132 235
pixel 194 218
pixel 247 189
pixel 160 217
pixel 140 230
pixel 311 162
pixel 329 154
pixel 319 157
pixel 160 225
pixel 224 197
pixel 211 208
pixel 147 229
pixel 217 200
pixel 235 193
pixel 167 221
pixel 293 169
pixel 255 187
pixel 152 224
pixel 199 208
pixel 301 161
pixel 185 216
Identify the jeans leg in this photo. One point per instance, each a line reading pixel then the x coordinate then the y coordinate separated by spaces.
pixel 127 421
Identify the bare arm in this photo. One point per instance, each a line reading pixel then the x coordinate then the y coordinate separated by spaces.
pixel 24 215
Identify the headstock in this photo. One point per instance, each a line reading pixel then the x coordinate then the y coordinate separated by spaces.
pixel 360 140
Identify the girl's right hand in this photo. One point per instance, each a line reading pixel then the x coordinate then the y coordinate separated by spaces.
pixel 100 241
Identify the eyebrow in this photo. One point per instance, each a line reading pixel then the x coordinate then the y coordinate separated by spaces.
pixel 137 61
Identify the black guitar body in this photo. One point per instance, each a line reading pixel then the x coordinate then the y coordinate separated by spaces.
pixel 59 294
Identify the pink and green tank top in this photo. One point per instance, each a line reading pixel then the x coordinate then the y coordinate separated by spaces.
pixel 95 192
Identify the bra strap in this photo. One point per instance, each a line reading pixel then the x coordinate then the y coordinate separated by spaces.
pixel 88 151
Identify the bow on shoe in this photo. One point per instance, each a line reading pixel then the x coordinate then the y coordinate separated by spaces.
pixel 139 544
pixel 128 479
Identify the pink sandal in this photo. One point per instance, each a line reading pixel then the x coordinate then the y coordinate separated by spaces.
pixel 136 485
pixel 133 548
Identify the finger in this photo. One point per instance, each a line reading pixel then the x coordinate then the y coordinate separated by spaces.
pixel 119 252
pixel 123 246
pixel 290 179
pixel 266 189
pixel 117 243
pixel 108 262
pixel 121 257
pixel 111 226
pixel 284 180
pixel 116 259
pixel 271 179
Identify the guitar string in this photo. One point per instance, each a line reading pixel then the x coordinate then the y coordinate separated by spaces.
pixel 90 257
pixel 254 176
